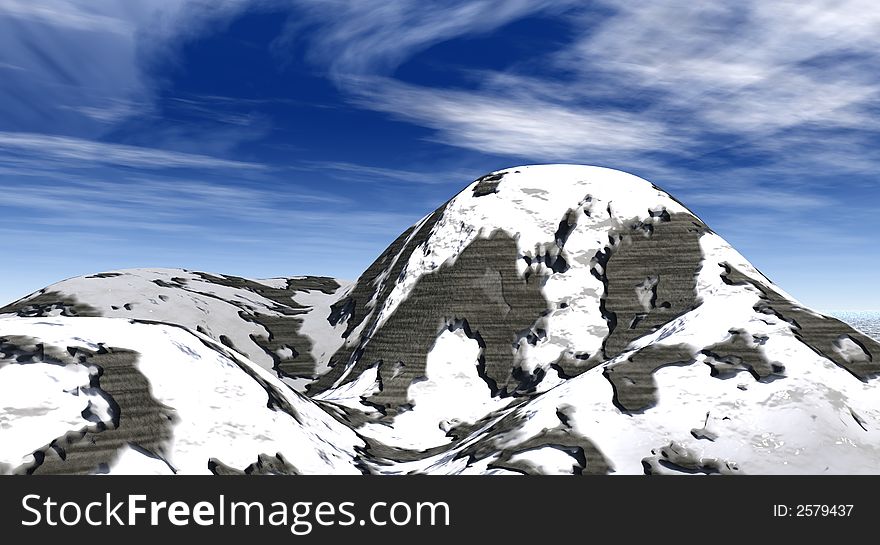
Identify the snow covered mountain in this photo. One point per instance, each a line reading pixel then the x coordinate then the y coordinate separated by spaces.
pixel 279 323
pixel 547 319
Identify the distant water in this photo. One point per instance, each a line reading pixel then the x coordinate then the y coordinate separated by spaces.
pixel 868 322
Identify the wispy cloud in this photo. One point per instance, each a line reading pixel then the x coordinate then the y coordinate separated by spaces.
pixel 755 72
pixel 87 66
pixel 367 173
pixel 790 231
pixel 10 66
pixel 518 126
pixel 362 38
pixel 758 198
pixel 77 152
pixel 112 111
pixel 753 75
pixel 748 67
pixel 64 13
pixel 142 203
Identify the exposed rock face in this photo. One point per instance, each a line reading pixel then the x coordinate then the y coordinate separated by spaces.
pixel 547 319
pixel 483 291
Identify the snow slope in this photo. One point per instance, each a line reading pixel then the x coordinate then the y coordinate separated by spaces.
pixel 241 313
pixel 220 406
pixel 547 319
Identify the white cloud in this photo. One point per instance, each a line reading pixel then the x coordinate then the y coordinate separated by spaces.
pixel 366 173
pixel 85 65
pixel 68 14
pixel 516 125
pixel 77 152
pixel 758 198
pixel 749 73
pixel 369 37
pixel 741 67
pixel 159 204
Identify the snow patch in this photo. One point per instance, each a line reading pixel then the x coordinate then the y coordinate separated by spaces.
pixel 451 370
pixel 40 402
pixel 326 338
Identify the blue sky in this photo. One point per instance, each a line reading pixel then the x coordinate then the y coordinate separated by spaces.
pixel 268 138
